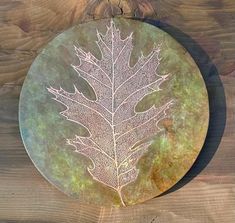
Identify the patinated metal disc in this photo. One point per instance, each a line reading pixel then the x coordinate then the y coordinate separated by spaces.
pixel 113 112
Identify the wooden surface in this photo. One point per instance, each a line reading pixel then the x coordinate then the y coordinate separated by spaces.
pixel 205 27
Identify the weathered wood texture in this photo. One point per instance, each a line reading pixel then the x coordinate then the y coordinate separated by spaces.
pixel 205 27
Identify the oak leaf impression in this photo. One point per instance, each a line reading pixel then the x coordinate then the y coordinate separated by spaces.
pixel 118 134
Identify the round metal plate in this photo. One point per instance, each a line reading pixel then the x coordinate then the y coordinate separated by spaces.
pixel 113 112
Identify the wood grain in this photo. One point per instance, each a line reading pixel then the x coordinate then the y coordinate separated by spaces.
pixel 205 27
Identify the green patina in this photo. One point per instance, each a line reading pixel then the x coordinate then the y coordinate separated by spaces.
pixel 44 130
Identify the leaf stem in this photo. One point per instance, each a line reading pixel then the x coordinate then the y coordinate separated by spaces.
pixel 120 196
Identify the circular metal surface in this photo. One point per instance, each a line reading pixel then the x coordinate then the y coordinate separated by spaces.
pixel 113 112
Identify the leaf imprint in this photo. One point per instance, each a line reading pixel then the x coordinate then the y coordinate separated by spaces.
pixel 118 135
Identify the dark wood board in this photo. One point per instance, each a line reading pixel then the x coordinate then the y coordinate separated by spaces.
pixel 206 28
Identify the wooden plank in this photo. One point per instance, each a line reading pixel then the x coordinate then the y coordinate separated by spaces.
pixel 26 26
